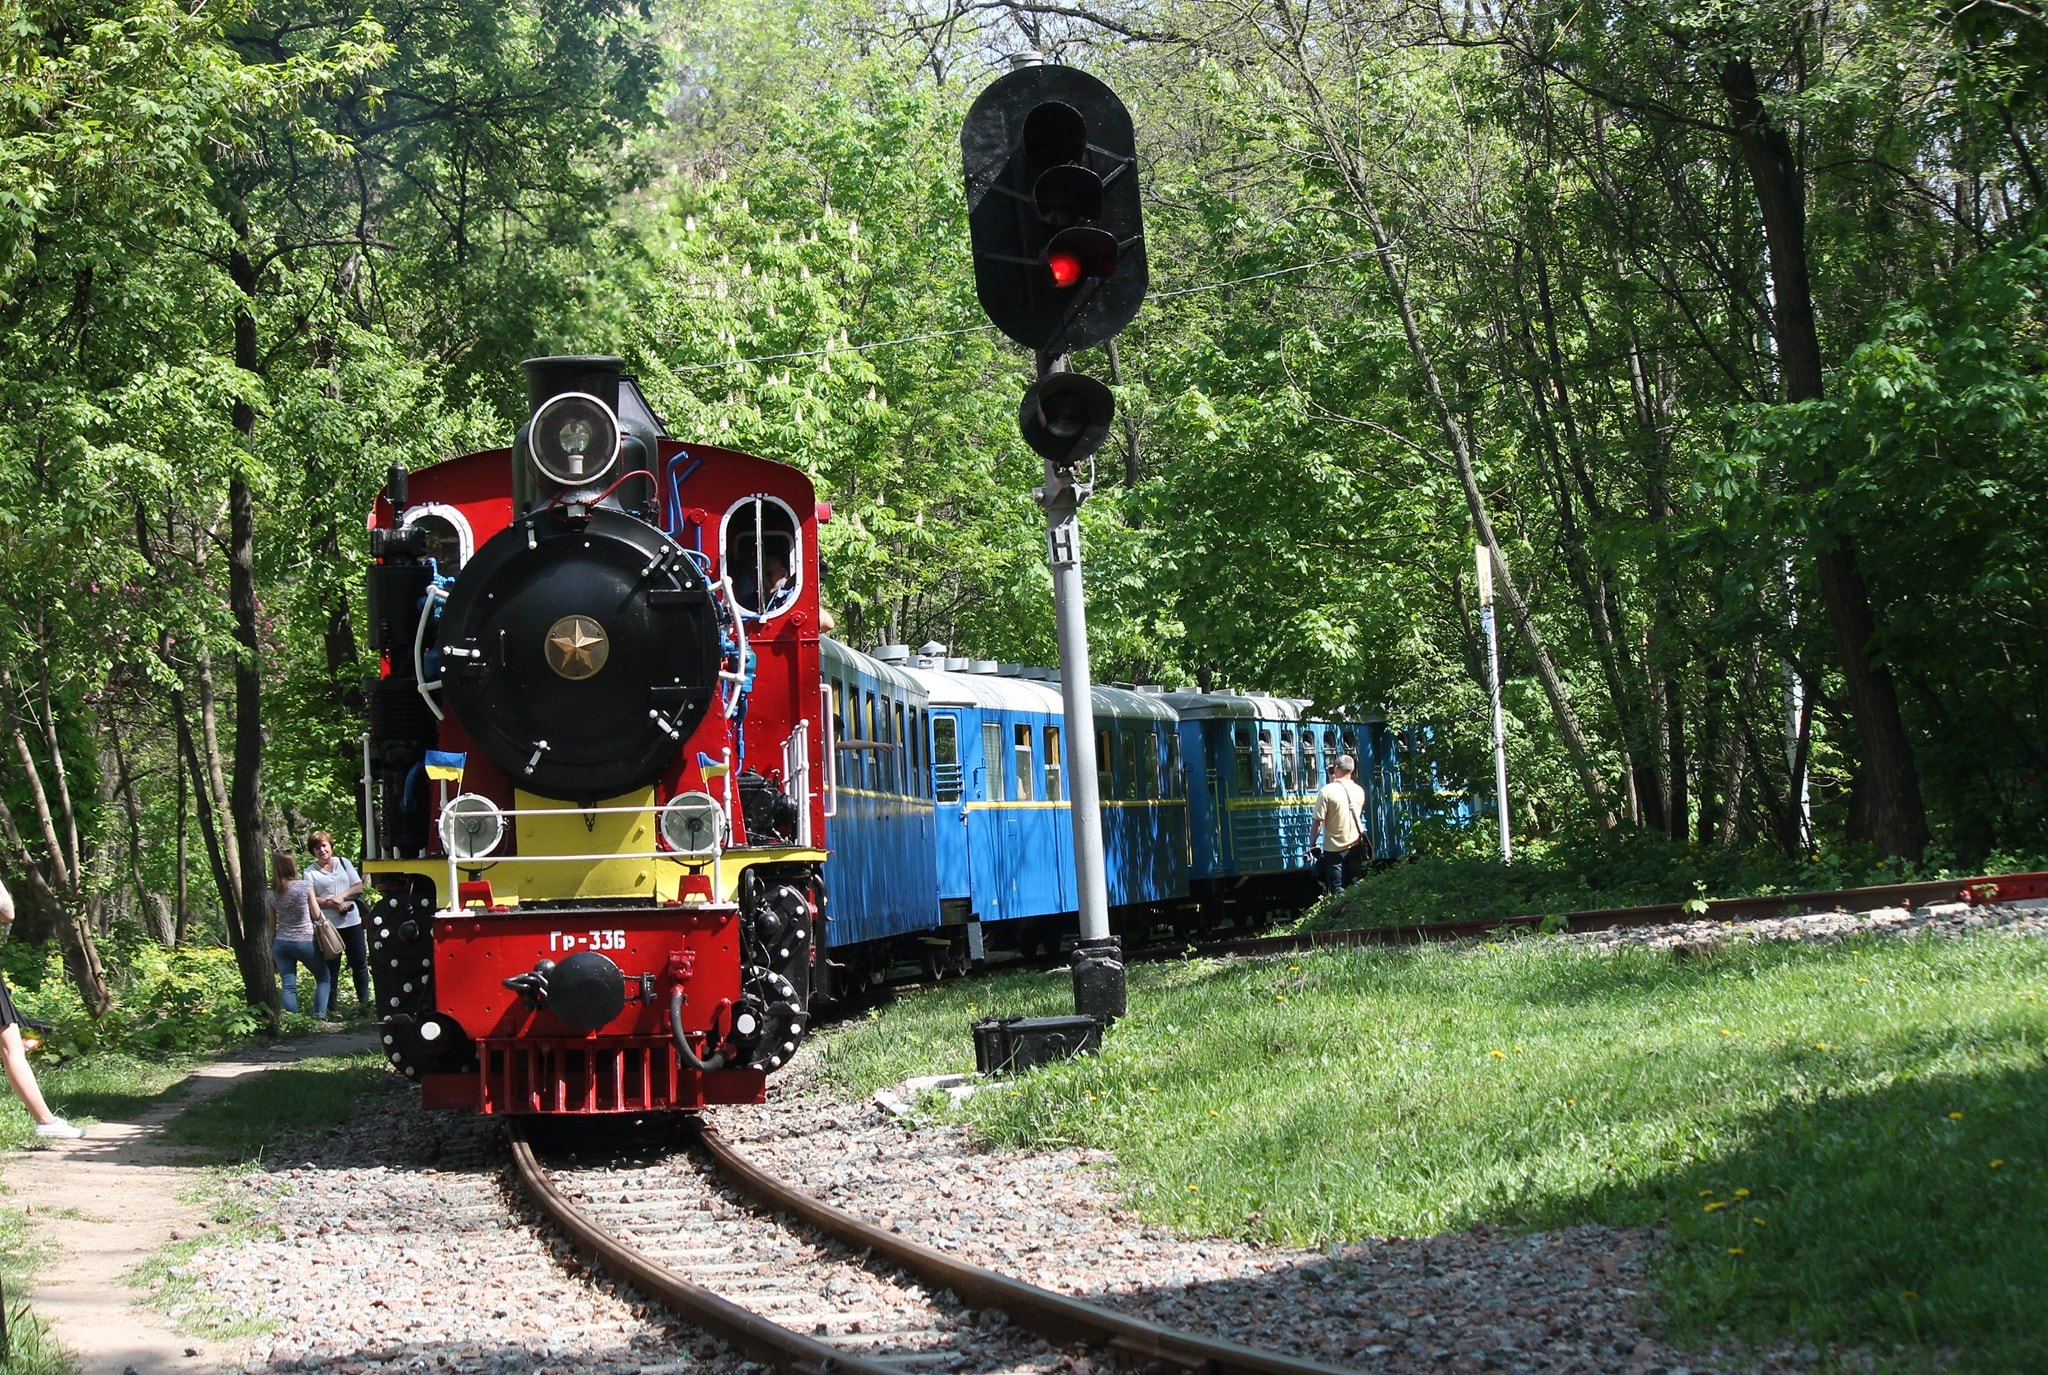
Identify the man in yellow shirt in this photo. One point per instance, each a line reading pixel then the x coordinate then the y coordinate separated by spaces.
pixel 1339 822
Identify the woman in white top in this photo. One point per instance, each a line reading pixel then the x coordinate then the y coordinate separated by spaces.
pixel 335 886
pixel 290 900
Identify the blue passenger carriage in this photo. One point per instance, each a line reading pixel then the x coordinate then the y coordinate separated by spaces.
pixel 884 891
pixel 1002 795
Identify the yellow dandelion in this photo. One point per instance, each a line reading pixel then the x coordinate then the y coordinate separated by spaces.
pixel 1715 1207
pixel 1742 1193
pixel 1863 981
pixel 1998 1164
pixel 1955 1117
pixel 1706 1193
pixel 1570 1102
pixel 1194 1188
pixel 1279 997
pixel 1820 1045
pixel 1215 1112
pixel 1500 1055
pixel 1758 1221
pixel 1727 1031
pixel 1908 1295
pixel 1735 1250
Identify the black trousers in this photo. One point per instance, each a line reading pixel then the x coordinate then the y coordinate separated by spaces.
pixel 1338 868
pixel 355 947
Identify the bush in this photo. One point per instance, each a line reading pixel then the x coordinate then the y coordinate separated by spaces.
pixel 187 999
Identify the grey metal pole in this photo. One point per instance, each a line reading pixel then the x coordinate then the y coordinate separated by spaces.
pixel 1098 968
pixel 1500 747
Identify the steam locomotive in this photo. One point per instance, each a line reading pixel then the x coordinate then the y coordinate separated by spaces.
pixel 611 764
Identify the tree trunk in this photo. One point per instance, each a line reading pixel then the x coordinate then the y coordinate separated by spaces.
pixel 245 796
pixel 1896 816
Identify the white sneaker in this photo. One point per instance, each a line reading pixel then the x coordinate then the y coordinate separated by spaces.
pixel 58 1127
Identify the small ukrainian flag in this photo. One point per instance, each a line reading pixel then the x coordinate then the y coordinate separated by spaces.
pixel 445 766
pixel 712 768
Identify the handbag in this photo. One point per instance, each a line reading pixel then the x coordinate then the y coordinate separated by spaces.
pixel 326 939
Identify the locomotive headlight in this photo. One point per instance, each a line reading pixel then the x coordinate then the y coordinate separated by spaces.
pixel 574 439
pixel 693 823
pixel 471 826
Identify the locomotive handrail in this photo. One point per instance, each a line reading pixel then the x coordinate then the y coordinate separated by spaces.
pixel 419 650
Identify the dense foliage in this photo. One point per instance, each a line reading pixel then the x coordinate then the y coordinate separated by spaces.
pixel 1719 327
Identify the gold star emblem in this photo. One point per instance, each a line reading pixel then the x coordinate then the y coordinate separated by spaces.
pixel 577 647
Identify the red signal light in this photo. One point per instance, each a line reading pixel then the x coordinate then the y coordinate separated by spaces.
pixel 1065 268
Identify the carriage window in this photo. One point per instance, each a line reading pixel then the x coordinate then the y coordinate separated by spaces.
pixel 1173 767
pixel 916 746
pixel 870 731
pixel 992 757
pixel 946 758
pixel 1025 772
pixel 902 769
pixel 1242 737
pixel 1269 771
pixel 1054 764
pixel 1132 774
pixel 1290 761
pixel 1105 764
pixel 763 555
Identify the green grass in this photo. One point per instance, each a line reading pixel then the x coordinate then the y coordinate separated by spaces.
pixel 110 1085
pixel 176 1286
pixel 1857 1096
pixel 235 1127
pixel 30 1351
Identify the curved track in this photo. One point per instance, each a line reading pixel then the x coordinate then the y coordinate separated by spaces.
pixel 801 1286
pixel 1991 888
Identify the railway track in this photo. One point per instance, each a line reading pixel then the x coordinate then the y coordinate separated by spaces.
pixel 803 1287
pixel 1990 888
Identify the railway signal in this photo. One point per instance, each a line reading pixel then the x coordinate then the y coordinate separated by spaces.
pixel 1053 208
pixel 1059 264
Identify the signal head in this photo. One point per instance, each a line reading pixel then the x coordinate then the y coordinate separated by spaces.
pixel 1053 205
pixel 1065 417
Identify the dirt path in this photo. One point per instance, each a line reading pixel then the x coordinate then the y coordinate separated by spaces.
pixel 110 1201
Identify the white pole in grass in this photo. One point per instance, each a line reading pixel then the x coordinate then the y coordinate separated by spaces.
pixel 1500 746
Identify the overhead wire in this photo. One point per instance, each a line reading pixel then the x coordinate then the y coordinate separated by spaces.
pixel 900 341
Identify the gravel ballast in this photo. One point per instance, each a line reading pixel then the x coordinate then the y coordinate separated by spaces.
pixel 399 1249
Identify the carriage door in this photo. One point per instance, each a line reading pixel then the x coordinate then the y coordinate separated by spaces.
pixel 990 861
pixel 949 789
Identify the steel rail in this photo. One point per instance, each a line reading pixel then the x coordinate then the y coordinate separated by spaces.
pixel 1056 1317
pixel 2010 886
pixel 759 1338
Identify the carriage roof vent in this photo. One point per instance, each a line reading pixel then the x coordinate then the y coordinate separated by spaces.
pixel 1011 670
pixel 956 665
pixel 981 666
pixel 892 654
pixel 1039 675
pixel 931 649
pixel 1152 689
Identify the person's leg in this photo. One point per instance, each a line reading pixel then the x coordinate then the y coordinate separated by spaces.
pixel 283 955
pixel 21 1076
pixel 357 939
pixel 323 982
pixel 1330 870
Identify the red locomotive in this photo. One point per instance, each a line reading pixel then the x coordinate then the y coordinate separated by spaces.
pixel 589 804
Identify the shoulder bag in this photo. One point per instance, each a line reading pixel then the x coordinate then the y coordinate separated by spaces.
pixel 326 939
